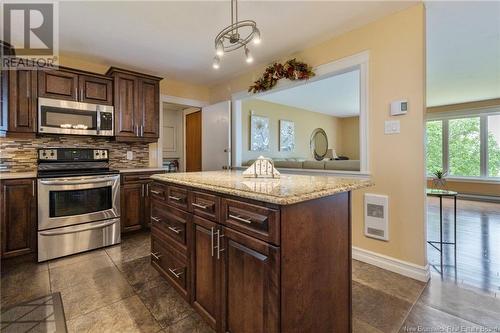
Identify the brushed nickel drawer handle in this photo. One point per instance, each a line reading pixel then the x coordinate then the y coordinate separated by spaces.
pixel 174 198
pixel 177 231
pixel 199 206
pixel 173 271
pixel 157 256
pixel 155 192
pixel 238 218
pixel 156 219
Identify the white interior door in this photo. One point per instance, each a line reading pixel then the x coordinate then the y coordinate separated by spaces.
pixel 216 136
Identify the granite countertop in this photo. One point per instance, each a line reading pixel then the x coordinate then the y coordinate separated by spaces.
pixel 17 175
pixel 288 189
pixel 147 169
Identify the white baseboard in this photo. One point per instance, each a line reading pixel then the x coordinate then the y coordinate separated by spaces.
pixel 421 273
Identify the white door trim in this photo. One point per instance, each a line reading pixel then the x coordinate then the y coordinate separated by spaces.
pixel 358 60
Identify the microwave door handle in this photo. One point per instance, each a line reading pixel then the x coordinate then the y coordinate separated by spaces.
pixel 76 181
pixel 98 121
pixel 77 229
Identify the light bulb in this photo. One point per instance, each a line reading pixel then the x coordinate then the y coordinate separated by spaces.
pixel 248 56
pixel 219 49
pixel 216 63
pixel 256 36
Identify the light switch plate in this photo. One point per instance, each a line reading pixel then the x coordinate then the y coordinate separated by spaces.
pixel 392 127
pixel 130 155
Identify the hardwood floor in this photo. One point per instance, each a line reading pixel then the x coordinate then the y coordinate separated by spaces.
pixel 478 243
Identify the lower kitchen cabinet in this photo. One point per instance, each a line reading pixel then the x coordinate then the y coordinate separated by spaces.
pixel 132 206
pixel 250 284
pixel 206 269
pixel 18 216
pixel 135 201
pixel 255 266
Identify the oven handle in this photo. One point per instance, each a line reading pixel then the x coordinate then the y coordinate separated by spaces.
pixel 78 229
pixel 76 181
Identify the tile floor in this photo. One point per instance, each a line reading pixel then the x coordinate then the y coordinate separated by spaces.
pixel 117 290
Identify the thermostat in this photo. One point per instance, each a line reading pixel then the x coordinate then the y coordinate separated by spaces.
pixel 399 107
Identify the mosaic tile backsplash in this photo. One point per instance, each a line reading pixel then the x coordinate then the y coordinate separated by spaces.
pixel 19 155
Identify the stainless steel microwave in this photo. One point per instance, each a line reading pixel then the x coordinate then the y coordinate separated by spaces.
pixel 75 118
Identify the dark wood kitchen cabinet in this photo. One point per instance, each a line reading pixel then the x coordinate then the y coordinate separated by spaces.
pixel 18 216
pixel 22 112
pixel 75 85
pixel 135 200
pixel 137 105
pixel 255 266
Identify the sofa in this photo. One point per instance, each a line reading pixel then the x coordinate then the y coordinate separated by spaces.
pixel 340 165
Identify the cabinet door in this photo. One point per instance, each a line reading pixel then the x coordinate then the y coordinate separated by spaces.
pixel 18 216
pixel 205 268
pixel 132 206
pixel 22 97
pixel 4 99
pixel 149 108
pixel 250 282
pixel 147 206
pixel 95 90
pixel 58 84
pixel 126 104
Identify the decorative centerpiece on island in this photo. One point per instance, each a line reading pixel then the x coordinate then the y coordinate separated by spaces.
pixel 262 168
pixel 439 180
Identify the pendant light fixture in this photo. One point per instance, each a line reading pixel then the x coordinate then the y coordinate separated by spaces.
pixel 235 36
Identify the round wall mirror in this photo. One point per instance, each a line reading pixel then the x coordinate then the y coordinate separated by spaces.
pixel 319 144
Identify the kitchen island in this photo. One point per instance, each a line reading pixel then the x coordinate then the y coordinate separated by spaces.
pixel 257 255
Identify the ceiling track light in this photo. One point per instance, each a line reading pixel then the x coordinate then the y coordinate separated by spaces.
pixel 236 36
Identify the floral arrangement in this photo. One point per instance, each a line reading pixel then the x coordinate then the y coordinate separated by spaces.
pixel 292 70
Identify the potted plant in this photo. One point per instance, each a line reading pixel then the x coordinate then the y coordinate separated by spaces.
pixel 439 180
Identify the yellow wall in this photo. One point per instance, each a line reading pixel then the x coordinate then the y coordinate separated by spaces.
pixel 396 70
pixel 348 138
pixel 167 86
pixel 305 122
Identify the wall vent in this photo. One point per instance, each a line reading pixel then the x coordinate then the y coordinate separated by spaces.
pixel 377 216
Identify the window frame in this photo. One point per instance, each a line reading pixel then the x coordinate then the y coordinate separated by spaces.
pixel 445 118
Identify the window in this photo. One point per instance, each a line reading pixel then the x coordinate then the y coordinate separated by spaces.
pixel 494 146
pixel 434 146
pixel 464 146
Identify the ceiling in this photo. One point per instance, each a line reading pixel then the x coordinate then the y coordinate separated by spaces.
pixel 463 51
pixel 336 96
pixel 175 38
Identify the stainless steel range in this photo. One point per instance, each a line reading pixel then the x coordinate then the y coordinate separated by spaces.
pixel 78 201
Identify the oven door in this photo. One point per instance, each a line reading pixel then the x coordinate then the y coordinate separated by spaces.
pixel 74 200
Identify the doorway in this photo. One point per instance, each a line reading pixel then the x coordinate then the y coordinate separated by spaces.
pixel 193 141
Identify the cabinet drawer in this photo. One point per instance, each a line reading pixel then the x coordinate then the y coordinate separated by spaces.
pixel 170 264
pixel 172 223
pixel 205 205
pixel 136 177
pixel 158 191
pixel 177 197
pixel 257 221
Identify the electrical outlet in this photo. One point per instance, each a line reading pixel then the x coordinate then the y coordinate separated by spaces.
pixel 130 155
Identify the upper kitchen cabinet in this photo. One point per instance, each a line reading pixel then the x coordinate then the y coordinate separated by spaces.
pixel 137 105
pixel 75 85
pixel 22 102
pixel 58 84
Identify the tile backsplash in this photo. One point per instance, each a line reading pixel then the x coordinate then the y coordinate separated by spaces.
pixel 19 155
